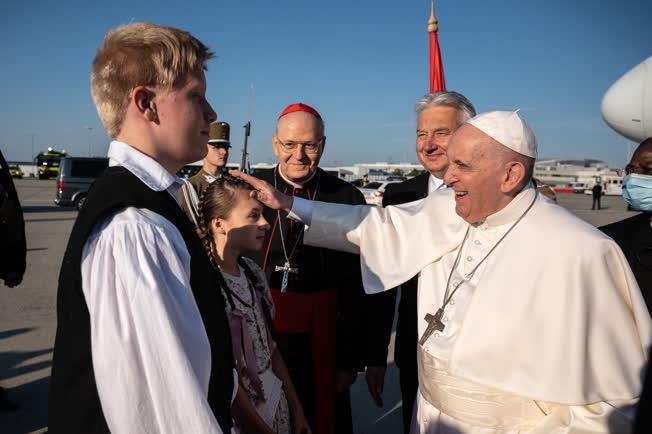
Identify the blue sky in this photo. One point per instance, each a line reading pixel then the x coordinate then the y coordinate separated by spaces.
pixel 362 64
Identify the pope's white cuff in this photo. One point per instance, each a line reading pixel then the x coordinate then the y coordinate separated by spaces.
pixel 301 211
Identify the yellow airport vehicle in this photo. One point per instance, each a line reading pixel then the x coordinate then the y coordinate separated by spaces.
pixel 48 162
pixel 15 171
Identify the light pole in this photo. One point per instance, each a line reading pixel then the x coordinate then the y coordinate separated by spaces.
pixel 89 140
pixel 32 135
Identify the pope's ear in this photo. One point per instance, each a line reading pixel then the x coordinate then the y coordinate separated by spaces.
pixel 514 175
pixel 323 144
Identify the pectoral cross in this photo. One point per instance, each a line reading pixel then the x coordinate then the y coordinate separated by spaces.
pixel 434 323
pixel 286 269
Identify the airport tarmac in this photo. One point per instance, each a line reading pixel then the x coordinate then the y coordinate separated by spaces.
pixel 28 315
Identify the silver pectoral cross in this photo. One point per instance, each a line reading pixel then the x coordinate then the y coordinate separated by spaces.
pixel 434 323
pixel 286 269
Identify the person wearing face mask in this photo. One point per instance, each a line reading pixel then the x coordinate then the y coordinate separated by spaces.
pixel 634 234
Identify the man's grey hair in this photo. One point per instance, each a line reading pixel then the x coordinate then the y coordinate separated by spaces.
pixel 451 99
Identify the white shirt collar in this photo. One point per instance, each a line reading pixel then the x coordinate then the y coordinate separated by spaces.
pixel 143 166
pixel 434 183
pixel 514 209
pixel 209 178
pixel 294 184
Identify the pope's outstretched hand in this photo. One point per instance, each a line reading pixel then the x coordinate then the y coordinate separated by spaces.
pixel 265 193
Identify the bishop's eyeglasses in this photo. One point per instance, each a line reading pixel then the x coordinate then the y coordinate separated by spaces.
pixel 308 147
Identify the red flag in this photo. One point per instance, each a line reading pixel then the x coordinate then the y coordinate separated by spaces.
pixel 437 82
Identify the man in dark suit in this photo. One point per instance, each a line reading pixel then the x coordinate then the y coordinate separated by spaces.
pixel 439 114
pixel 634 236
pixel 596 191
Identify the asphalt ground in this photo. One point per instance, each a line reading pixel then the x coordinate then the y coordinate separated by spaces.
pixel 28 315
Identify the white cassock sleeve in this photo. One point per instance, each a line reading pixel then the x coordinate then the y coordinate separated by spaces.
pixel 394 243
pixel 151 355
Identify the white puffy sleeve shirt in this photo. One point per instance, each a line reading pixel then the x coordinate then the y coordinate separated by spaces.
pixel 151 355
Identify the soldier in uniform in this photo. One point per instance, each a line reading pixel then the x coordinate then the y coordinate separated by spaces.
pixel 214 165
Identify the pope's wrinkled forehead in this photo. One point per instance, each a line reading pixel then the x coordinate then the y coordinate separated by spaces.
pixel 468 140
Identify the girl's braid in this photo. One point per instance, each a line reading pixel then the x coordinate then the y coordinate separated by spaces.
pixel 203 230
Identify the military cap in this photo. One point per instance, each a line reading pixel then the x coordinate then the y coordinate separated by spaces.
pixel 218 134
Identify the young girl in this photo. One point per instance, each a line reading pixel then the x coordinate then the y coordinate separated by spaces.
pixel 231 223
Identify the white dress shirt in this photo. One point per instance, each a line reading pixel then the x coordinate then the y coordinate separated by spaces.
pixel 151 354
pixel 435 183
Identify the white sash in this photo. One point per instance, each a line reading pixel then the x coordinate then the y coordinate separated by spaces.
pixel 475 404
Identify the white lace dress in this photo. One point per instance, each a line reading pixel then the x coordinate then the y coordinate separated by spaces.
pixel 263 347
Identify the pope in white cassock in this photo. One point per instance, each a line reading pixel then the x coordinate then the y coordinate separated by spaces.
pixel 531 320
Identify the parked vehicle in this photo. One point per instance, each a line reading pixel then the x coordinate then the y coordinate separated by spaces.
pixel 374 191
pixel 612 185
pixel 15 171
pixel 76 175
pixel 578 187
pixel 48 163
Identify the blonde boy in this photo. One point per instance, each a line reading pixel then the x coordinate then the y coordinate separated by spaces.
pixel 142 343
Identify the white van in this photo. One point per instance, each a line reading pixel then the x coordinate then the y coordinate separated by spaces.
pixel 578 187
pixel 612 185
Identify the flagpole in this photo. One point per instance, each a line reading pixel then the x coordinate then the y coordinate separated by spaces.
pixel 437 82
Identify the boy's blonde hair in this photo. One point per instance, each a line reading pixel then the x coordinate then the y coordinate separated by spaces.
pixel 141 54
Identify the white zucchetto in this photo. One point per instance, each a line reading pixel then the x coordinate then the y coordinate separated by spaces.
pixel 508 129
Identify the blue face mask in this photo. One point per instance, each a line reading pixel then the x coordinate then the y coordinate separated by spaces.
pixel 637 191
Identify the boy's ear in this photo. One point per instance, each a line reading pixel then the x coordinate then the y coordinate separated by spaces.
pixel 144 100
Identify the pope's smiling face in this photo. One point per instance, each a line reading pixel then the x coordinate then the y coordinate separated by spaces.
pixel 476 171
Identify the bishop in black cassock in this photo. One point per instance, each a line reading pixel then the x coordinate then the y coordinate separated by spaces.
pixel 320 314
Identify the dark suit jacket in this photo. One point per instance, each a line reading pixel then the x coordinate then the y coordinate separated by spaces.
pixel 634 236
pixel 384 303
pixel 13 247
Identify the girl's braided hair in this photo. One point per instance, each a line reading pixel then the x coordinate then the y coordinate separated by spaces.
pixel 217 201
